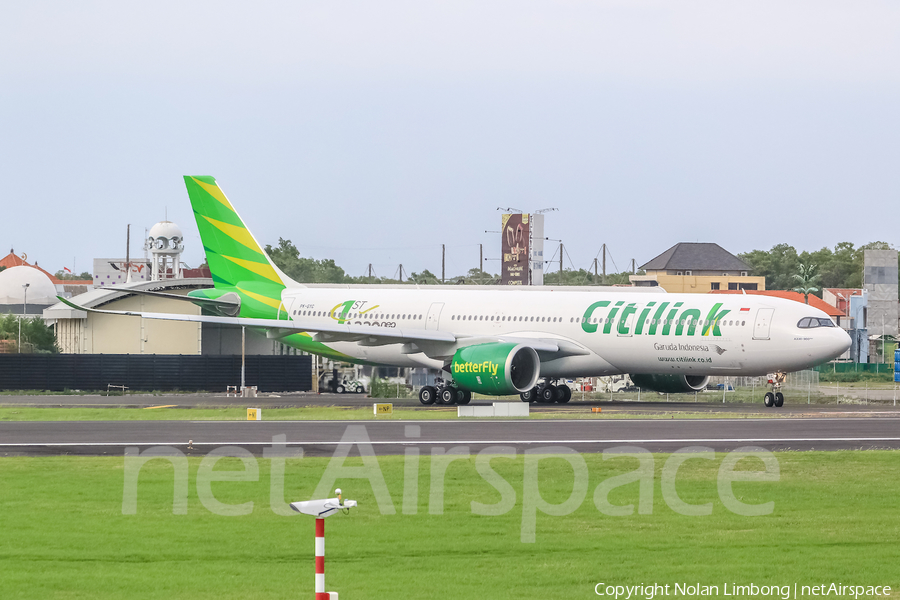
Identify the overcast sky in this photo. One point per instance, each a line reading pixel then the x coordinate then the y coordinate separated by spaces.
pixel 374 132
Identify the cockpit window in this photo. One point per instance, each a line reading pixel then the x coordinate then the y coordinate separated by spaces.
pixel 813 322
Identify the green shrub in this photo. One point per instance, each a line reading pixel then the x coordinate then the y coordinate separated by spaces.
pixel 382 388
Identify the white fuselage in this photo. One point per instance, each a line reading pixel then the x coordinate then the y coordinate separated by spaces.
pixel 619 331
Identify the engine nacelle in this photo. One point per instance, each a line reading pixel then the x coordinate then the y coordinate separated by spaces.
pixel 671 384
pixel 496 369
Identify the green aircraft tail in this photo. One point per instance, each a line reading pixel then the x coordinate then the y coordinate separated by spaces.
pixel 236 260
pixel 233 254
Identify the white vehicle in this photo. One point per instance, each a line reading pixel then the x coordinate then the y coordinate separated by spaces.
pixel 499 341
pixel 616 383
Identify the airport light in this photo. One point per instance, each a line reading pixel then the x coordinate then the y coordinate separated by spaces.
pixel 24 312
pixel 320 509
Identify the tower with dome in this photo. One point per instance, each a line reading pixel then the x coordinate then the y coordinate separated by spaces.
pixel 165 243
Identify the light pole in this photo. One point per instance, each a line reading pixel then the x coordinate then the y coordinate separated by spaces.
pixel 24 312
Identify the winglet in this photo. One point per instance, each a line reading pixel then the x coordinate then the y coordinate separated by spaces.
pixel 72 304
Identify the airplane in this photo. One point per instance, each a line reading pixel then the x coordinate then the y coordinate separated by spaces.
pixel 502 340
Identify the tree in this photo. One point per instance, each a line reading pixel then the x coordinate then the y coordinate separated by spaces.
pixel 841 267
pixel 304 270
pixel 806 278
pixel 65 276
pixel 778 265
pixel 36 335
pixel 426 277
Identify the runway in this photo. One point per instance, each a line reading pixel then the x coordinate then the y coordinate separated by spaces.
pixel 685 404
pixel 321 438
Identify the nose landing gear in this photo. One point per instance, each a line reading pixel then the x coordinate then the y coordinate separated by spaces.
pixel 775 397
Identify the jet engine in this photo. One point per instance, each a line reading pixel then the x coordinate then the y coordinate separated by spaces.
pixel 496 369
pixel 671 384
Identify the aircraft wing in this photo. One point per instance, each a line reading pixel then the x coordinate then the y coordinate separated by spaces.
pixel 433 343
pixel 323 332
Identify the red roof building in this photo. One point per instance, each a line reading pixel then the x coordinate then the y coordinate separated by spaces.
pixel 840 297
pixel 12 260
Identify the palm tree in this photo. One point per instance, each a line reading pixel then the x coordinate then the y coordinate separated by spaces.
pixel 806 277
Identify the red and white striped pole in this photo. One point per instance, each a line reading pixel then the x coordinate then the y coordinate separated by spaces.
pixel 320 561
pixel 321 509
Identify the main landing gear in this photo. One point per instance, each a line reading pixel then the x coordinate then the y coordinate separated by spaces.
pixel 546 392
pixel 443 393
pixel 775 397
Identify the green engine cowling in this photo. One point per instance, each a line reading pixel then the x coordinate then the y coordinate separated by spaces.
pixel 671 384
pixel 496 369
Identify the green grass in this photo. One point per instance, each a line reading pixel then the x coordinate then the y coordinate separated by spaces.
pixel 63 534
pixel 212 414
pixel 884 380
pixel 331 413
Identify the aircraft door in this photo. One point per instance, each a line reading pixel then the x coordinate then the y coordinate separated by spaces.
pixel 627 327
pixel 763 323
pixel 434 315
pixel 284 309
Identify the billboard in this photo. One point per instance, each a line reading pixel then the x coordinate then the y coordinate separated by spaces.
pixel 110 272
pixel 514 247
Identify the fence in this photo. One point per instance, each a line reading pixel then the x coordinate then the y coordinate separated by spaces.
pixel 849 367
pixel 59 372
pixel 796 380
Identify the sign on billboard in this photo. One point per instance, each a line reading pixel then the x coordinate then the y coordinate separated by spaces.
pixel 514 246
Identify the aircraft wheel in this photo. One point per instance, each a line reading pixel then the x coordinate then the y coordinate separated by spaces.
pixel 463 397
pixel 529 395
pixel 447 395
pixel 779 399
pixel 770 400
pixel 339 389
pixel 546 394
pixel 427 395
pixel 565 394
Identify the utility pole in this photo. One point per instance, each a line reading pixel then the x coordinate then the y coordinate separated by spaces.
pixel 127 254
pixel 443 262
pixel 633 271
pixel 560 262
pixel 480 263
pixel 595 270
pixel 370 270
pixel 604 264
pixel 401 272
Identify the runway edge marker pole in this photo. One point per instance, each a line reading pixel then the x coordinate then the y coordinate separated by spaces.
pixel 320 561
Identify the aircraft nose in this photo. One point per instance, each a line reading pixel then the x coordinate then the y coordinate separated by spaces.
pixel 841 342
